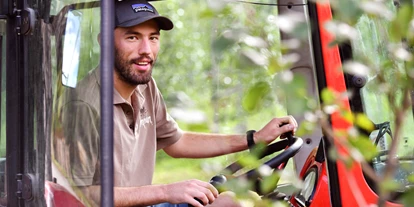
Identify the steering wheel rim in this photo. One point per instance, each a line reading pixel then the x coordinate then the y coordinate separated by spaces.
pixel 291 145
pixel 294 144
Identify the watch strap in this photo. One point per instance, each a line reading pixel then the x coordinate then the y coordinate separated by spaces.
pixel 250 140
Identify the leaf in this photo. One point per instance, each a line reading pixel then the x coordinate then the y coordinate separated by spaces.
pixel 364 146
pixel 269 183
pixel 333 153
pixel 249 161
pixel 349 11
pixel 296 92
pixel 400 25
pixel 254 57
pixel 207 13
pixel 275 65
pixel 253 41
pixel 221 44
pixel 410 178
pixel 364 122
pixel 328 96
pixel 408 197
pixel 255 96
pixel 356 68
pixel 389 185
pixel 305 128
pixel 348 116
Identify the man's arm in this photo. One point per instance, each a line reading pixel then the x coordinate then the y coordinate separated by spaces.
pixel 203 145
pixel 180 192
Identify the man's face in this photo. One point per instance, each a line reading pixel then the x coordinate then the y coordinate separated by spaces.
pixel 136 49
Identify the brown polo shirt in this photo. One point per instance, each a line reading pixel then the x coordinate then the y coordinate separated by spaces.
pixel 140 129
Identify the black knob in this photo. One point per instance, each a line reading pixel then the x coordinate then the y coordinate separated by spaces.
pixel 218 180
pixel 359 81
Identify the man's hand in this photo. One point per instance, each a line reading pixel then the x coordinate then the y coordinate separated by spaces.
pixel 190 190
pixel 275 128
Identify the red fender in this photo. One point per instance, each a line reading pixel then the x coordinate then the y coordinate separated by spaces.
pixel 57 196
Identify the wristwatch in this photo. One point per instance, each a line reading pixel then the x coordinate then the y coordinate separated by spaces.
pixel 250 140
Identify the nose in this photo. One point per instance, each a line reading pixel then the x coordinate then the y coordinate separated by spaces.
pixel 144 47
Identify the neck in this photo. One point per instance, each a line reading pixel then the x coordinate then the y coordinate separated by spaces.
pixel 124 89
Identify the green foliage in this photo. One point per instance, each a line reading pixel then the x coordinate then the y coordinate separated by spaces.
pixel 363 146
pixel 228 58
pixel 364 122
pixel 400 27
pixel 255 95
pixel 408 198
pixel 269 183
pixel 220 58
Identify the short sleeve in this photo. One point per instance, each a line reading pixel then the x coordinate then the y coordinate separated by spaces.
pixel 81 129
pixel 167 129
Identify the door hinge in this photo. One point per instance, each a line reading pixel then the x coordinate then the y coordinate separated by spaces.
pixel 25 21
pixel 24 186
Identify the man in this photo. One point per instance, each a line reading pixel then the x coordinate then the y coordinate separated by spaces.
pixel 141 122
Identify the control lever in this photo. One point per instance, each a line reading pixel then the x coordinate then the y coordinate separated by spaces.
pixel 218 180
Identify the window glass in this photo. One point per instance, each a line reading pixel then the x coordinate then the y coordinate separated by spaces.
pixel 204 71
pixel 75 54
pixel 205 65
pixel 371 46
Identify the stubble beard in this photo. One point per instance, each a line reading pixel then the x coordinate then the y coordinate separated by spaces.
pixel 123 67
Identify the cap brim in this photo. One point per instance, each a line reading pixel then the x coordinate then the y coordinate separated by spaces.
pixel 163 22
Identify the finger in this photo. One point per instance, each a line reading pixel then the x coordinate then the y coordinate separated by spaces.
pixel 201 198
pixel 287 128
pixel 207 195
pixel 198 200
pixel 213 190
pixel 210 196
pixel 283 120
pixel 193 202
pixel 293 120
pixel 210 187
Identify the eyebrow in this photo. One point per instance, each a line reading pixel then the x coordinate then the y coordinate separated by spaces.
pixel 131 32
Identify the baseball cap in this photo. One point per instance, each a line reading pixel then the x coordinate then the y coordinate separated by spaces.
pixel 129 13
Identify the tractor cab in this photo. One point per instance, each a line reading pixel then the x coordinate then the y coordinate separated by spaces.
pixel 226 67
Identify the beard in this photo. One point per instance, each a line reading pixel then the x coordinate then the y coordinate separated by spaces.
pixel 123 67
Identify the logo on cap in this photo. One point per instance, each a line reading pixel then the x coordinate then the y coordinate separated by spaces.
pixel 142 8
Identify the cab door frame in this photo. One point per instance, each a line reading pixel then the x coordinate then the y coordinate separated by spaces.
pixel 25 125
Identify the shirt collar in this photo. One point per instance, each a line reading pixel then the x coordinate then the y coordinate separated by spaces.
pixel 137 92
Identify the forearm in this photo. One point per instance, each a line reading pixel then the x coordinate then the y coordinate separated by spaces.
pixel 139 196
pixel 180 192
pixel 203 145
pixel 198 145
pixel 131 196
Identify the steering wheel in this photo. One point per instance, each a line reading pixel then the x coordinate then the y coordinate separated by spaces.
pixel 290 146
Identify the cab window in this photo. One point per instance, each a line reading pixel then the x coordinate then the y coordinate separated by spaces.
pixel 371 47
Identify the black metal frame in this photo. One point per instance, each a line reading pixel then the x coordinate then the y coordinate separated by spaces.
pixel 24 159
pixel 16 94
pixel 21 107
pixel 107 65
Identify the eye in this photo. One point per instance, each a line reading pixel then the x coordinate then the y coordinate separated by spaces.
pixel 132 38
pixel 154 38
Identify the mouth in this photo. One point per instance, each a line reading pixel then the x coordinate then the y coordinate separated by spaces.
pixel 142 66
